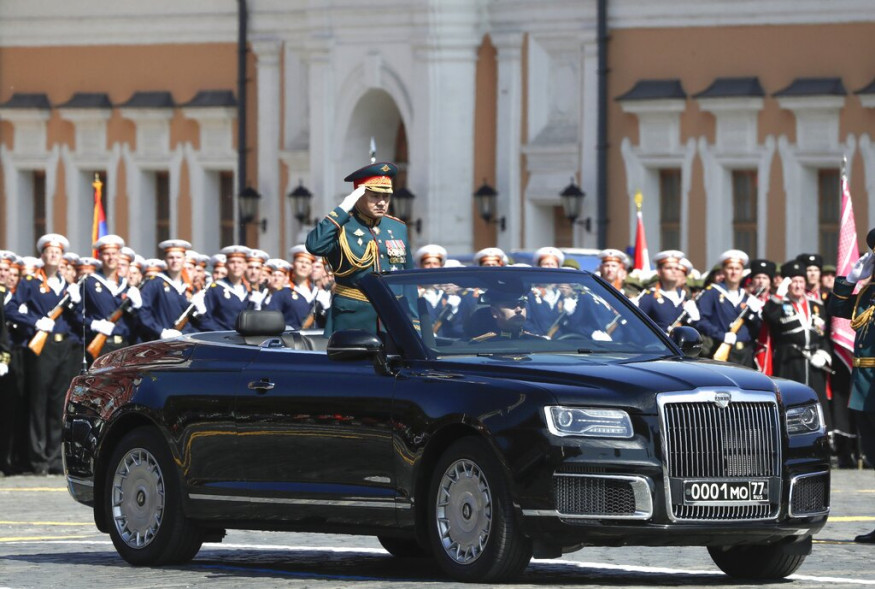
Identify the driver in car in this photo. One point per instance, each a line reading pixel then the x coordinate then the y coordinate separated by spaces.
pixel 508 309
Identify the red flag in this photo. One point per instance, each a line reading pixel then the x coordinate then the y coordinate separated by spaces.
pixel 642 256
pixel 98 225
pixel 842 334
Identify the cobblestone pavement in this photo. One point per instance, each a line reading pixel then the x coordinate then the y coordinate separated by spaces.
pixel 48 540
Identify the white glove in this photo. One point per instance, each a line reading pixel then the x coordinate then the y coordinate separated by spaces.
pixel 568 305
pixel 600 336
pixel 692 310
pixel 75 295
pixel 862 269
pixel 353 197
pixel 103 326
pixel 754 304
pixel 257 297
pixel 4 370
pixel 820 358
pixel 198 301
pixel 45 324
pixel 783 288
pixel 170 333
pixel 729 338
pixel 453 301
pixel 133 293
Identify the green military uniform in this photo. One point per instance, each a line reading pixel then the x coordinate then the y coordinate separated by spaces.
pixel 356 246
pixel 860 309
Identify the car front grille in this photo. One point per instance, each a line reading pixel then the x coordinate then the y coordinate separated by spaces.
pixel 809 495
pixel 705 441
pixel 602 496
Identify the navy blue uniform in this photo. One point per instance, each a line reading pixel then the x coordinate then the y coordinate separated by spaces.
pixel 718 308
pixel 101 297
pixel 289 304
pixel 662 308
pixel 164 301
pixel 224 302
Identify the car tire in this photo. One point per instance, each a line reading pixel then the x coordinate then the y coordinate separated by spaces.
pixel 769 561
pixel 473 531
pixel 403 547
pixel 143 503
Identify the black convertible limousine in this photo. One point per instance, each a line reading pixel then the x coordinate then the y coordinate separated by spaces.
pixel 465 429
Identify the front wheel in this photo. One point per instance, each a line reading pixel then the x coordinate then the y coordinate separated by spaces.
pixel 472 526
pixel 770 561
pixel 143 503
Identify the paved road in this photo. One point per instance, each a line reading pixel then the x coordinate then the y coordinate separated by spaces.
pixel 48 540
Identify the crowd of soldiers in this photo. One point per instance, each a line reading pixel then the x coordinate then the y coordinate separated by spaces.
pixel 63 311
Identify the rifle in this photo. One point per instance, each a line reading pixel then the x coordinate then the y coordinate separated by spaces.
pixel 183 319
pixel 684 314
pixel 97 343
pixel 722 353
pixel 38 341
pixel 447 312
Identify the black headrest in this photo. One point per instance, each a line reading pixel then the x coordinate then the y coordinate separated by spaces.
pixel 260 323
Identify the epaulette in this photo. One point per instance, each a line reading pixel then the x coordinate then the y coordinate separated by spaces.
pixel 484 337
pixel 394 219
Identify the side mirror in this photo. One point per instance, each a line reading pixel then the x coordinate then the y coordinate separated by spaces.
pixel 688 340
pixel 354 344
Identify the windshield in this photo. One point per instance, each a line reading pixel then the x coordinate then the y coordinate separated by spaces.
pixel 521 310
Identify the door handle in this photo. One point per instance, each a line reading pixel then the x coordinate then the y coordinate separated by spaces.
pixel 262 386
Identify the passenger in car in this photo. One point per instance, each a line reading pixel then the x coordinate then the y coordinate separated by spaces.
pixel 508 311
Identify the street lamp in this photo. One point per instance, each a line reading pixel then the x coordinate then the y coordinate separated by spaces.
pixel 485 198
pixel 301 198
pixel 402 202
pixel 572 203
pixel 248 200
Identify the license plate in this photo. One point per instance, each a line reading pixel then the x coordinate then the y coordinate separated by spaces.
pixel 726 491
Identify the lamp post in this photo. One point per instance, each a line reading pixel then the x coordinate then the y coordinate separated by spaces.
pixel 572 204
pixel 301 198
pixel 402 203
pixel 485 198
pixel 248 200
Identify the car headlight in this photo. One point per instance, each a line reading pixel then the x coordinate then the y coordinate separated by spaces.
pixel 805 419
pixel 588 422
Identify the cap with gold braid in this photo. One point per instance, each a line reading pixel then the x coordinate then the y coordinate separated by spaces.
pixel 376 177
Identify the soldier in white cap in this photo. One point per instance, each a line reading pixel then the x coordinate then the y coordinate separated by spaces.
pixel 303 290
pixel 219 305
pixel 279 296
pixel 104 293
pixel 613 268
pixel 431 255
pixel 721 304
pixel 667 300
pixel 256 274
pixel 48 373
pixel 165 294
pixel 217 261
pixel 491 256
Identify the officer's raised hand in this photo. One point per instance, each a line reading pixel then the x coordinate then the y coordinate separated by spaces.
pixel 353 197
pixel 862 268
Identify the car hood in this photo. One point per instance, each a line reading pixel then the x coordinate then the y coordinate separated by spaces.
pixel 637 381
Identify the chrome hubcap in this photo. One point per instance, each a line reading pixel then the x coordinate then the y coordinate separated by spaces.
pixel 464 511
pixel 138 498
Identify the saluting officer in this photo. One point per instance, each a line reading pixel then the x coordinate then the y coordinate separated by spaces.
pixel 219 305
pixel 722 303
pixel 860 309
pixel 165 295
pixel 104 292
pixel 359 238
pixel 48 373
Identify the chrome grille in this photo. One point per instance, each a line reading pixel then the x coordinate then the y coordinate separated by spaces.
pixel 705 441
pixel 593 496
pixel 809 495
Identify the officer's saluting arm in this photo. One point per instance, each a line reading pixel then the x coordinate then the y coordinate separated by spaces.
pixel 323 238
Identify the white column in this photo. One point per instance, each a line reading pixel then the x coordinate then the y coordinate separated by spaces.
pixel 508 133
pixel 589 113
pixel 267 53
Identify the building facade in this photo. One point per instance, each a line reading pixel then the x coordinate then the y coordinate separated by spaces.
pixel 732 118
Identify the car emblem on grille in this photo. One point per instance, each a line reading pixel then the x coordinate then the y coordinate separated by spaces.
pixel 722 399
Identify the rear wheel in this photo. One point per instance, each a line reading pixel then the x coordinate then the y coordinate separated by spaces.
pixel 769 561
pixel 143 503
pixel 473 531
pixel 403 547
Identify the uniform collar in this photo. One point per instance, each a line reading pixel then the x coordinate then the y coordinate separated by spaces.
pixel 366 221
